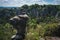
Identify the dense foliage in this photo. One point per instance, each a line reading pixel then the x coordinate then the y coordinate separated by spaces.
pixel 42 21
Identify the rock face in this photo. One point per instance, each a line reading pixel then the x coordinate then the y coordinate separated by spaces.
pixel 19 23
pixel 52 38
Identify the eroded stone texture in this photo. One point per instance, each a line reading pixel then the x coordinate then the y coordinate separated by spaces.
pixel 19 23
pixel 52 38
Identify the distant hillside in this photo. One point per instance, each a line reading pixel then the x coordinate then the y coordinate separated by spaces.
pixel 34 11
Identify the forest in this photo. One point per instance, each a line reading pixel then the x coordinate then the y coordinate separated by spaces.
pixel 43 21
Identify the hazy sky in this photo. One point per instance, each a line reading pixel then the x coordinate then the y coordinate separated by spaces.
pixel 18 3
